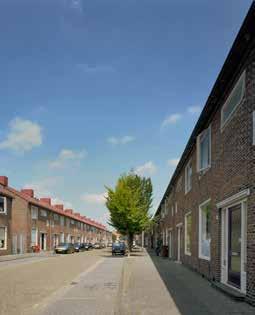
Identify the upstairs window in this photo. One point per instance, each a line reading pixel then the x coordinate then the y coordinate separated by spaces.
pixel 34 212
pixel 43 213
pixel 204 150
pixel 56 216
pixel 205 230
pixel 62 221
pixel 235 98
pixel 188 177
pixel 3 205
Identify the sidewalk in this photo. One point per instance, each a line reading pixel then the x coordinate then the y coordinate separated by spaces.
pixel 23 256
pixel 193 294
pixel 142 289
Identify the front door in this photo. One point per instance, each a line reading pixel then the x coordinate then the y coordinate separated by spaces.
pixel 179 243
pixel 234 245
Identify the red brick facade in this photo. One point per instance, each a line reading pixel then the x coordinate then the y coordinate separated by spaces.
pixel 25 215
pixel 230 175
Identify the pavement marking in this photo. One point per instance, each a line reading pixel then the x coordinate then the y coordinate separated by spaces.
pixel 62 291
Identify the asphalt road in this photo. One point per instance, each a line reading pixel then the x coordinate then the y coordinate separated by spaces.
pixel 29 285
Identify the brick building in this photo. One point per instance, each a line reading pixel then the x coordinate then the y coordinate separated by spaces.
pixel 207 214
pixel 26 221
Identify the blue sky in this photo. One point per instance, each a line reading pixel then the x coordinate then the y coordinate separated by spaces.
pixel 92 88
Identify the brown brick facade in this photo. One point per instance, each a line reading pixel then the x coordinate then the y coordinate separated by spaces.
pixel 232 170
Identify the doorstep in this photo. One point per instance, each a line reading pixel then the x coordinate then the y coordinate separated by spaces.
pixel 232 293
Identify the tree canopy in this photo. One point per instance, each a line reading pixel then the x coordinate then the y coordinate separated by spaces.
pixel 129 204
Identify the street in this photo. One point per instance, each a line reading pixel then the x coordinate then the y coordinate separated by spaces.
pixel 94 282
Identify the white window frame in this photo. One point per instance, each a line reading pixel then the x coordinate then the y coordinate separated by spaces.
pixel 200 255
pixel 188 253
pixel 34 213
pixel 36 237
pixel 5 238
pixel 5 205
pixel 242 77
pixel 188 187
pixel 199 168
pixel 43 213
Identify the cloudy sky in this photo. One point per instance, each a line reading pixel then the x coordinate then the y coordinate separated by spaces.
pixel 90 89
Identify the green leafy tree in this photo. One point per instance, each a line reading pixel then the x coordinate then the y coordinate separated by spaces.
pixel 129 204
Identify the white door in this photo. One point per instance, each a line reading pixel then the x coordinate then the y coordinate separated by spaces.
pixel 179 244
pixel 170 245
pixel 234 242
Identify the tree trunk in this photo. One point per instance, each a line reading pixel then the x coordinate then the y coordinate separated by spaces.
pixel 130 242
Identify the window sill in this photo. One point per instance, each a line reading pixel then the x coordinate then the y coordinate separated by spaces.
pixel 204 258
pixel 3 212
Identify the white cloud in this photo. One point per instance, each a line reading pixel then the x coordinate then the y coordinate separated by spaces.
pixel 23 136
pixel 173 162
pixel 171 120
pixel 194 109
pixel 44 188
pixel 149 168
pixel 122 140
pixel 67 155
pixel 94 198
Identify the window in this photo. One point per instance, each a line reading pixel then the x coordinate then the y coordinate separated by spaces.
pixel 56 216
pixel 34 212
pixel 62 221
pixel 176 207
pixel 62 238
pixel 34 237
pixel 172 210
pixel 43 213
pixel 188 177
pixel 52 223
pixel 3 205
pixel 68 223
pixel 72 222
pixel 188 227
pixel 234 99
pixel 3 238
pixel 205 230
pixel 204 150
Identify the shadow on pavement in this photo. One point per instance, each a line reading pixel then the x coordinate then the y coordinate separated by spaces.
pixel 192 293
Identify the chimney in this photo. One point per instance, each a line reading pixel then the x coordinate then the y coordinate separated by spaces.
pixel 70 211
pixel 4 181
pixel 28 192
pixel 59 207
pixel 46 200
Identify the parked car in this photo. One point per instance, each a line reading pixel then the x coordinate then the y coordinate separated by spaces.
pixel 109 244
pixel 118 248
pixel 64 248
pixel 77 247
pixel 88 246
pixel 97 246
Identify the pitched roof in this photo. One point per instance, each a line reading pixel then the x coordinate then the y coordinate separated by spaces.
pixel 242 45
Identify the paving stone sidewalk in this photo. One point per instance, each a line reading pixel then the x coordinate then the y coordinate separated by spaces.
pixel 193 294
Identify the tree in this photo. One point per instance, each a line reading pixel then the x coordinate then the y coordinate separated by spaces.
pixel 129 204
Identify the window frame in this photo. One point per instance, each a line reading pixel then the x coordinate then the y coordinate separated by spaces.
pixel 199 168
pixel 200 255
pixel 188 253
pixel 5 205
pixel 34 208
pixel 36 236
pixel 43 211
pixel 222 122
pixel 5 238
pixel 189 164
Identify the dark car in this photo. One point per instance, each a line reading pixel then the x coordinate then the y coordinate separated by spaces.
pixel 118 248
pixel 88 246
pixel 64 248
pixel 77 247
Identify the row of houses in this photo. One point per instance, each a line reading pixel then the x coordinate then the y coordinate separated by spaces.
pixel 26 221
pixel 206 218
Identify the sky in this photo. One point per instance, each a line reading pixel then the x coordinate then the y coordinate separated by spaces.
pixel 90 89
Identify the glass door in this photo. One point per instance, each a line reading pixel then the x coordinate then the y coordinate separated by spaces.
pixel 234 246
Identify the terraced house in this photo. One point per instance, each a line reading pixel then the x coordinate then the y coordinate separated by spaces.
pixel 207 214
pixel 26 221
